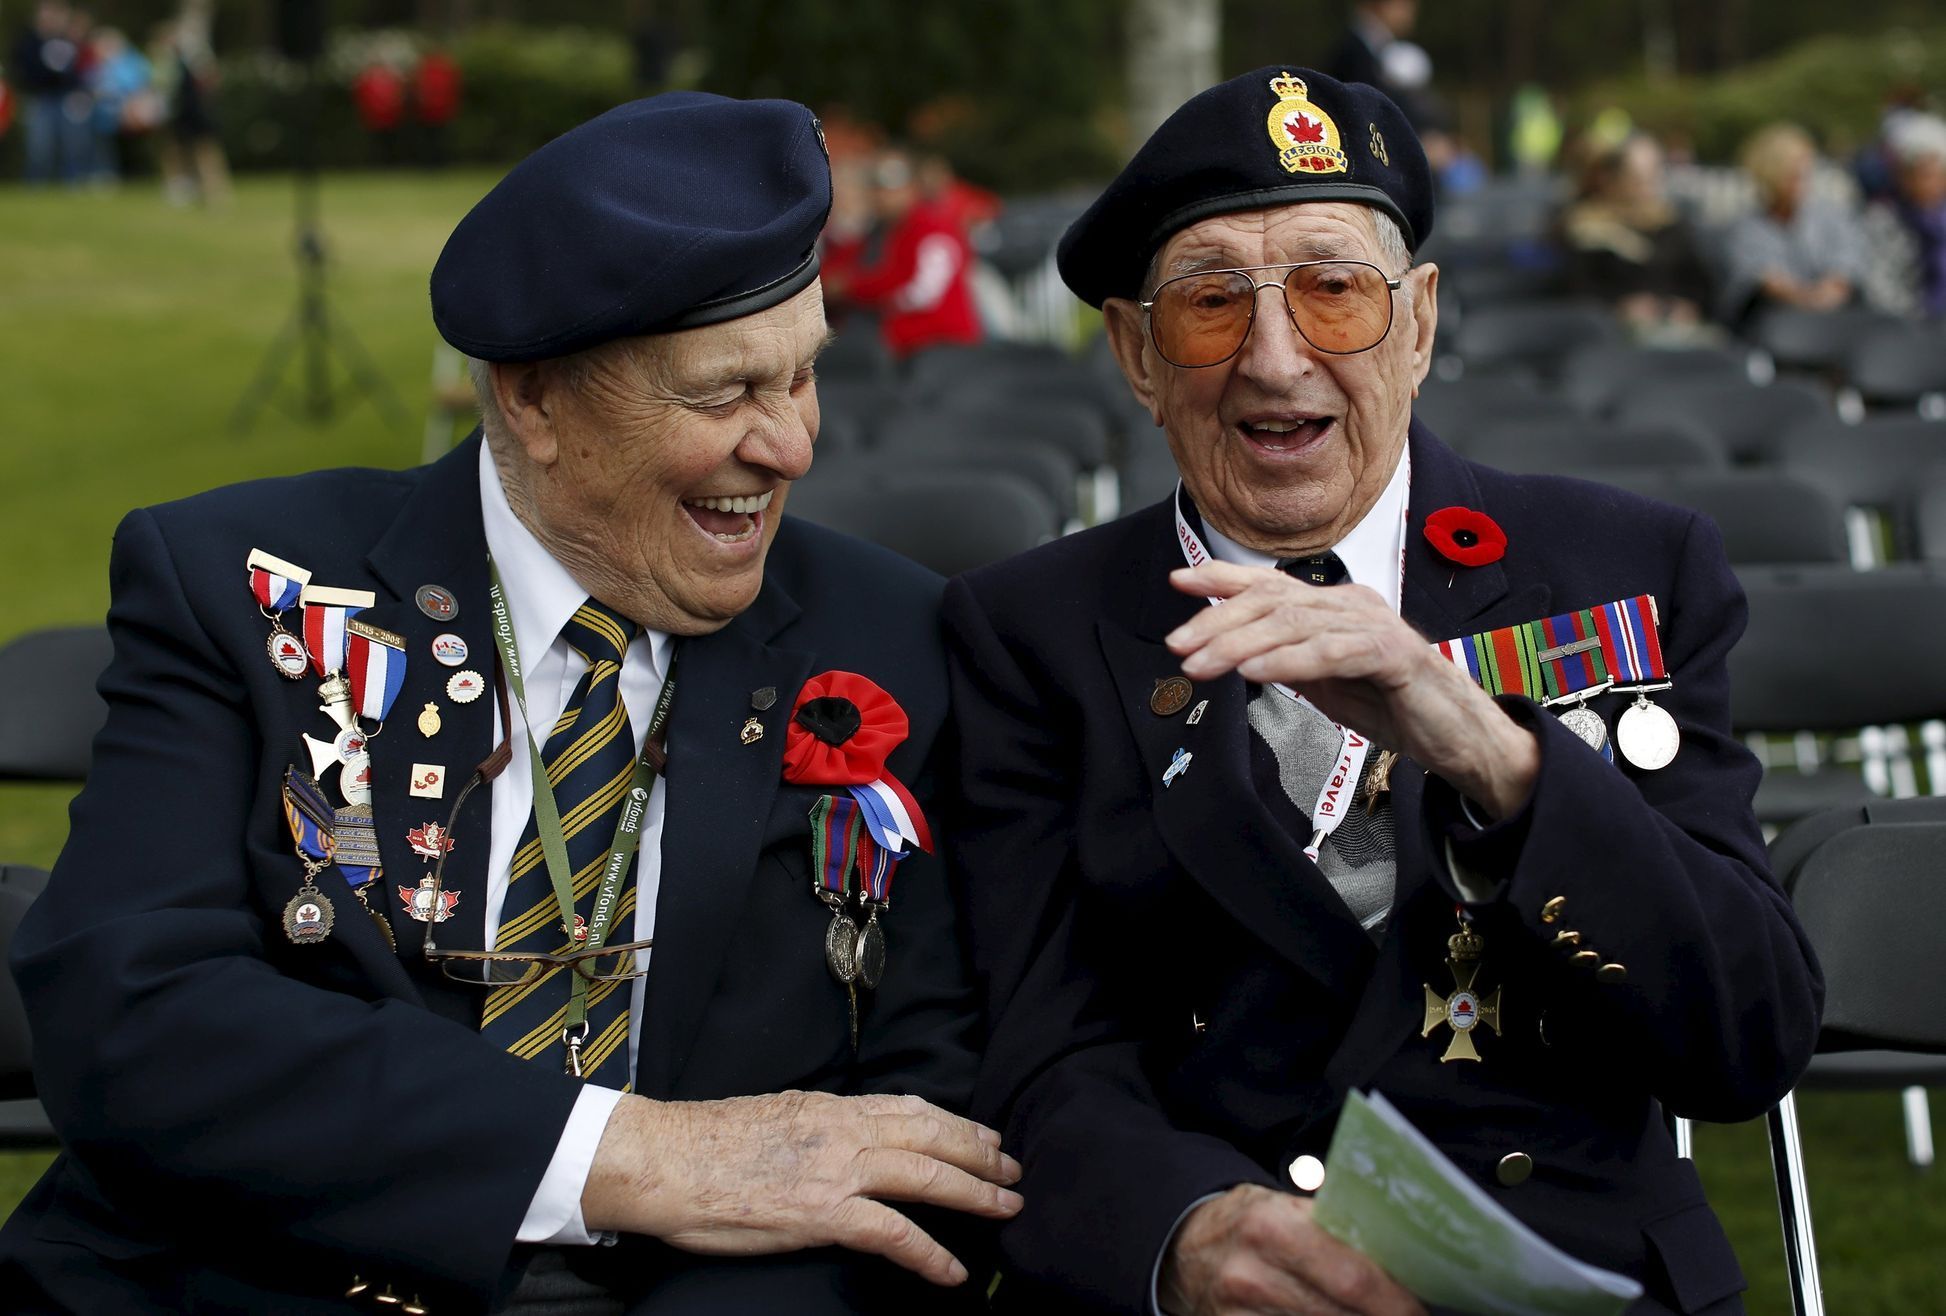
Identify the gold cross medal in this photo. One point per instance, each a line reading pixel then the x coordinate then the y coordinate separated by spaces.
pixel 1464 1010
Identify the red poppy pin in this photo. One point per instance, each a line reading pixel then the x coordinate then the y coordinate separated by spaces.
pixel 1462 535
pixel 843 727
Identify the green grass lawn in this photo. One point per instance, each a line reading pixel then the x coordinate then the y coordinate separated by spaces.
pixel 128 331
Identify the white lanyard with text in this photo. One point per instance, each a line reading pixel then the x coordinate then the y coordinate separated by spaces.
pixel 1341 783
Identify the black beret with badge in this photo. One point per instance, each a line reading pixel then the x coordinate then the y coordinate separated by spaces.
pixel 676 211
pixel 1278 136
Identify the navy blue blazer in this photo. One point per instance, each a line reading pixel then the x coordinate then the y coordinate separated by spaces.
pixel 1179 1000
pixel 247 1123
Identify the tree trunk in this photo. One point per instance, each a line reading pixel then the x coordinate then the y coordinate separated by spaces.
pixel 1172 55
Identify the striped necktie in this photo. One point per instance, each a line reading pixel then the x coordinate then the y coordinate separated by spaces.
pixel 590 758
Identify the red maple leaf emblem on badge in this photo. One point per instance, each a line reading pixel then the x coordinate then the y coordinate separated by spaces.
pixel 1303 128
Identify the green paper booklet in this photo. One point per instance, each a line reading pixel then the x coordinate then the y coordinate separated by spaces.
pixel 1392 1195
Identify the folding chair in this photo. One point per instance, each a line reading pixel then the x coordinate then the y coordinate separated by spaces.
pixel 948 520
pixel 1899 369
pixel 49 711
pixel 1808 627
pixel 1534 335
pixel 23 1124
pixel 1078 430
pixel 1459 410
pixel 1875 468
pixel 1584 445
pixel 1747 417
pixel 1765 517
pixel 1597 379
pixel 1814 340
pixel 1883 978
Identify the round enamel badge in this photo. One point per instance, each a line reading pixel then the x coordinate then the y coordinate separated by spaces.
pixel 1462 1011
pixel 448 650
pixel 464 687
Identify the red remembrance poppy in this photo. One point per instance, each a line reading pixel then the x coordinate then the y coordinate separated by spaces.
pixel 842 728
pixel 1462 535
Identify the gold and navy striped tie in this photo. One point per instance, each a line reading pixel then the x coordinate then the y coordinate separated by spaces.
pixel 590 758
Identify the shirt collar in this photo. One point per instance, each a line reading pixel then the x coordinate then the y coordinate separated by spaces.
pixel 541 593
pixel 1370 550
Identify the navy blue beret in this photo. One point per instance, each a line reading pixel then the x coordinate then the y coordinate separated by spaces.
pixel 680 210
pixel 1280 135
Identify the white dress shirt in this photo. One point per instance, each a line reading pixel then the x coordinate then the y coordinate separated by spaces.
pixel 541 596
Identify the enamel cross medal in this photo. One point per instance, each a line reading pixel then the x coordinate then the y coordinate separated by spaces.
pixel 1464 1010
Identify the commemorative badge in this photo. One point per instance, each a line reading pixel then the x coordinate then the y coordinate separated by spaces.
pixel 1170 696
pixel 426 903
pixel 465 687
pixel 430 841
pixel 449 650
pixel 276 584
pixel 324 838
pixel 1305 138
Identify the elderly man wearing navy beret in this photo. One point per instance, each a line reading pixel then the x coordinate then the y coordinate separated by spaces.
pixel 1306 779
pixel 488 862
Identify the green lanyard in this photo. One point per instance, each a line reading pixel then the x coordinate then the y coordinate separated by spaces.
pixel 547 816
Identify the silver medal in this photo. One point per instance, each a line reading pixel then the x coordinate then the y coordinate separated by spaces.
pixel 841 948
pixel 1647 735
pixel 869 954
pixel 1587 725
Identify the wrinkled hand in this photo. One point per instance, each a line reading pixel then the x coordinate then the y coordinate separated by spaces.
pixel 1346 651
pixel 1256 1252
pixel 793 1170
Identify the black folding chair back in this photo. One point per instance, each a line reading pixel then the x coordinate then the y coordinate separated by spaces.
pixel 948 519
pixel 1597 379
pixel 1536 335
pixel 857 352
pixel 1763 516
pixel 950 365
pixel 49 711
pixel 1584 445
pixel 1463 409
pixel 1747 417
pixel 1898 367
pixel 1797 665
pixel 1814 340
pixel 1046 467
pixel 18 887
pixel 861 404
pixel 1882 463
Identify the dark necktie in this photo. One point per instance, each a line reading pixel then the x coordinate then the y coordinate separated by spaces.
pixel 1324 569
pixel 590 758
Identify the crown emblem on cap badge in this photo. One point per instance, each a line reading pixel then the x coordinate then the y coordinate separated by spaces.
pixel 1305 138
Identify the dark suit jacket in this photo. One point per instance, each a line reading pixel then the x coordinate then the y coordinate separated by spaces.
pixel 248 1123
pixel 1109 911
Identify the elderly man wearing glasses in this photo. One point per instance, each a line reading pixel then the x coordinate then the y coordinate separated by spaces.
pixel 1307 779
pixel 490 860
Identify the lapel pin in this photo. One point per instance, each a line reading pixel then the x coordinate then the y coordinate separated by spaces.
pixel 437 602
pixel 464 687
pixel 355 779
pixel 1170 696
pixel 429 721
pixel 428 781
pixel 752 732
pixel 419 901
pixel 1196 713
pixel 761 700
pixel 429 841
pixel 448 649
pixel 1178 764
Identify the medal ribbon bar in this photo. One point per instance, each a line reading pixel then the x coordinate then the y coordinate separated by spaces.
pixel 1556 657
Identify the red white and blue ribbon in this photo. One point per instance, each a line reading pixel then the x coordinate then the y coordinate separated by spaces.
pixel 325 613
pixel 375 667
pixel 275 583
pixel 892 816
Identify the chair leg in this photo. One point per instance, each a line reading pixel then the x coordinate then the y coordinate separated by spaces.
pixel 1918 1128
pixel 1685 1138
pixel 1794 1208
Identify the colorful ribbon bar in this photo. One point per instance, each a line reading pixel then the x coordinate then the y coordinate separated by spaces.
pixel 274 582
pixel 375 666
pixel 325 613
pixel 835 833
pixel 1556 657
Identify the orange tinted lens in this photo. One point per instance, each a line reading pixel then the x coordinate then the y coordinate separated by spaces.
pixel 1200 319
pixel 1340 307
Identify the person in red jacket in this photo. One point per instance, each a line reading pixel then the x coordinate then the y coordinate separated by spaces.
pixel 920 284
pixel 436 87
